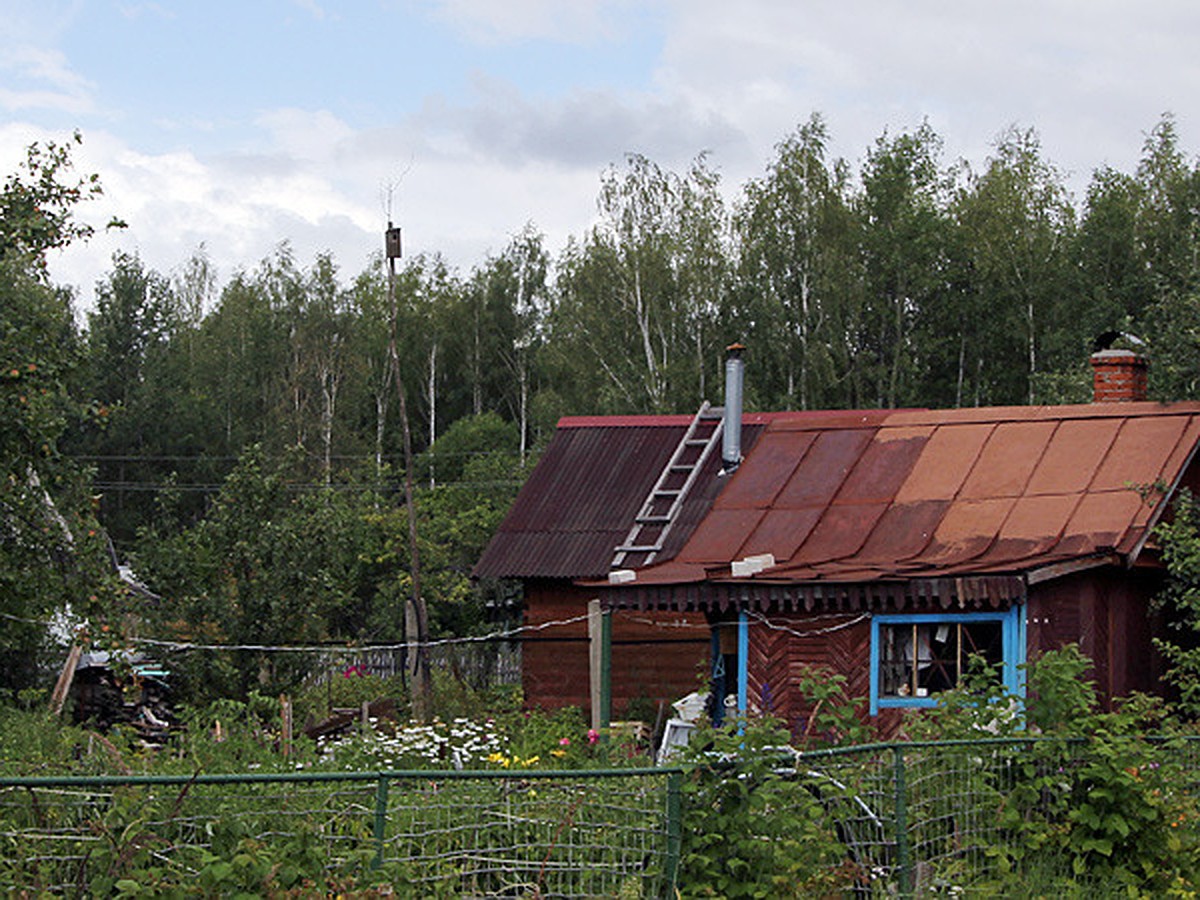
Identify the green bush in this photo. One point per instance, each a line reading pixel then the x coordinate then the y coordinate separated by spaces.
pixel 1091 793
pixel 751 826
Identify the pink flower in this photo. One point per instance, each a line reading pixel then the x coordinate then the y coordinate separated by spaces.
pixel 593 735
pixel 565 742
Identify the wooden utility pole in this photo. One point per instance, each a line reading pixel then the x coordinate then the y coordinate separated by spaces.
pixel 600 664
pixel 421 682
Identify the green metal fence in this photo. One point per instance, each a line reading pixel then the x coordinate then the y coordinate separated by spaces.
pixel 908 819
pixel 937 819
pixel 537 833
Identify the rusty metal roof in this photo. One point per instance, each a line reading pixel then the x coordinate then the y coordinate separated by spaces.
pixel 884 508
pixel 890 498
pixel 582 496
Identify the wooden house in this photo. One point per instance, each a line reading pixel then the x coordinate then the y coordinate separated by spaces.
pixel 887 546
pixel 566 528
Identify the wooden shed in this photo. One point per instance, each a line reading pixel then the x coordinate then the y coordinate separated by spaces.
pixel 884 545
pixel 568 526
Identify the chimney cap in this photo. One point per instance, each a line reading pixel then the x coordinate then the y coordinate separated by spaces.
pixel 1116 354
pixel 1106 341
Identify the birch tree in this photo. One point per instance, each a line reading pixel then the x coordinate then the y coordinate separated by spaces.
pixel 903 235
pixel 1167 241
pixel 797 267
pixel 636 207
pixel 324 333
pixel 636 295
pixel 520 277
pixel 1019 221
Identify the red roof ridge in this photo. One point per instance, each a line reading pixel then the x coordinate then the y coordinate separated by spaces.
pixel 661 420
pixel 867 418
pixel 982 414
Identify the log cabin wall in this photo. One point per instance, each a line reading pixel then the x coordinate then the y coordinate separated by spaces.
pixel 1108 613
pixel 661 656
pixel 657 657
pixel 779 660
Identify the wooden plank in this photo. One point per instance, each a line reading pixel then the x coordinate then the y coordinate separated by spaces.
pixel 62 687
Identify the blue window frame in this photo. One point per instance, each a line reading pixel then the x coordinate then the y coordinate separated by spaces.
pixel 723 679
pixel 915 656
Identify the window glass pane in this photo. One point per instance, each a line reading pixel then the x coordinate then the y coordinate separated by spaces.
pixel 921 659
pixel 986 639
pixel 895 671
pixel 941 670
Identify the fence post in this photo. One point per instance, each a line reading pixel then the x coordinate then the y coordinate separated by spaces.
pixel 381 804
pixel 674 829
pixel 903 862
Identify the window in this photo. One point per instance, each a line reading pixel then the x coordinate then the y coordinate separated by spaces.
pixel 913 657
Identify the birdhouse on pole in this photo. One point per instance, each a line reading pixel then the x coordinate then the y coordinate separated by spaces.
pixel 391 242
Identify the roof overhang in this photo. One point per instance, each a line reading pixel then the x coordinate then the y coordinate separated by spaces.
pixel 973 592
pixel 1072 566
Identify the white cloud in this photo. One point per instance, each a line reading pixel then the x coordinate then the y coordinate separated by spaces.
pixel 318 196
pixel 1090 78
pixel 585 128
pixel 175 201
pixel 575 21
pixel 733 79
pixel 41 79
pixel 148 10
pixel 304 134
pixel 311 7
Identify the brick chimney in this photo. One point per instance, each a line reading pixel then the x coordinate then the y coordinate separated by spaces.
pixel 1118 376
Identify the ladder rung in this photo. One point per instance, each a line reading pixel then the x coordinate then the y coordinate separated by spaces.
pixel 698 434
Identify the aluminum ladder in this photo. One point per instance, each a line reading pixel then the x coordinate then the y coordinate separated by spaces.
pixel 662 505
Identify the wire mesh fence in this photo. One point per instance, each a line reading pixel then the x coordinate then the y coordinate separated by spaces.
pixel 953 818
pixel 963 818
pixel 479 663
pixel 460 834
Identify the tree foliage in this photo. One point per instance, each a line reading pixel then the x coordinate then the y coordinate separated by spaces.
pixel 37 203
pixel 1180 600
pixel 52 555
pixel 902 279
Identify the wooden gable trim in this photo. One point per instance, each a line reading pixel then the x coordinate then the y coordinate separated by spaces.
pixel 976 592
pixel 1070 567
pixel 1168 496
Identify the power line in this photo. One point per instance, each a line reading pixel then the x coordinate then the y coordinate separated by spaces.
pixel 325 648
pixel 505 634
pixel 369 457
pixel 502 635
pixel 766 622
pixel 815 632
pixel 291 487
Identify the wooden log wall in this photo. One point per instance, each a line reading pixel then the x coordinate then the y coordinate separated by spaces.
pixel 657 657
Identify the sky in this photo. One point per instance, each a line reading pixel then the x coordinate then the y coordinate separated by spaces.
pixel 235 125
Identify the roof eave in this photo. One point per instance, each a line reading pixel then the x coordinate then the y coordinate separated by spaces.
pixel 1072 566
pixel 1161 507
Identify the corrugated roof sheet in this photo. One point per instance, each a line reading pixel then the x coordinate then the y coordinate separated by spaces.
pixel 964 500
pixel 939 494
pixel 582 496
